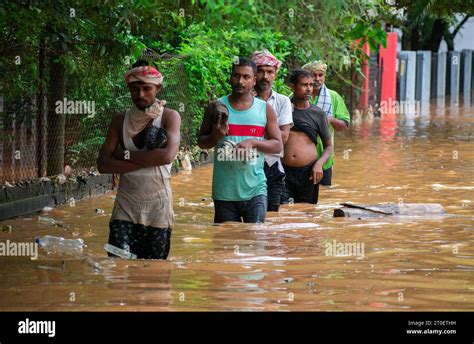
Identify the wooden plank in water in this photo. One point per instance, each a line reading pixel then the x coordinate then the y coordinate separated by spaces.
pixel 389 209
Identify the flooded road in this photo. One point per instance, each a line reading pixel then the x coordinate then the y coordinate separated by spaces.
pixel 406 264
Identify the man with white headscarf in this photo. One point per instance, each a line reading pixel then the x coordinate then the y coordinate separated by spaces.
pixel 267 70
pixel 334 107
pixel 142 217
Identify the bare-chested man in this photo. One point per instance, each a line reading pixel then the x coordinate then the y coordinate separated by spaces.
pixel 303 166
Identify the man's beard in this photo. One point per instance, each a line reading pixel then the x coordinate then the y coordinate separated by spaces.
pixel 240 89
pixel 265 85
pixel 138 103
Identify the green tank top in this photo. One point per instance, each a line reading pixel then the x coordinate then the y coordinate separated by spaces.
pixel 234 178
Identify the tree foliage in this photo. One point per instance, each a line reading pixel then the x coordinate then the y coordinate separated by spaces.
pixel 426 22
pixel 80 50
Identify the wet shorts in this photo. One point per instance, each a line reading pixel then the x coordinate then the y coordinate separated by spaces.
pixel 145 241
pixel 275 185
pixel 298 187
pixel 251 211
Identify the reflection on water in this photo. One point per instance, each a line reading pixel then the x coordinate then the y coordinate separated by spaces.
pixel 408 264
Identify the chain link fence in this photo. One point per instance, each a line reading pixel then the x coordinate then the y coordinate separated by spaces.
pixel 35 135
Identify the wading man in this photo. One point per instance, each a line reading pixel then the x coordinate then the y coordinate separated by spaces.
pixel 303 166
pixel 142 217
pixel 267 69
pixel 239 187
pixel 334 107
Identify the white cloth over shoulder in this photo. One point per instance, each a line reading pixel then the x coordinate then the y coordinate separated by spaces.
pixel 282 106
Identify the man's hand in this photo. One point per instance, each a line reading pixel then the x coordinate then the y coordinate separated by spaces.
pixel 212 129
pixel 246 144
pixel 337 124
pixel 249 149
pixel 119 153
pixel 106 162
pixel 316 173
pixel 219 130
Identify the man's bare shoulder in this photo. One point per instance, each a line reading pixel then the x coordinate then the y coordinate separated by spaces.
pixel 170 114
pixel 119 115
pixel 118 118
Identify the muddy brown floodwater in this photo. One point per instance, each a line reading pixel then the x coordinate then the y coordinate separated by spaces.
pixel 406 264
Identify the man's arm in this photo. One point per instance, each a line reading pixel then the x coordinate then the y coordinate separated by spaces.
pixel 325 134
pixel 210 132
pixel 105 162
pixel 272 144
pixel 341 119
pixel 338 124
pixel 285 132
pixel 171 122
pixel 286 120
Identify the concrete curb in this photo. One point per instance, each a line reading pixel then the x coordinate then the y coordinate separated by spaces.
pixel 31 197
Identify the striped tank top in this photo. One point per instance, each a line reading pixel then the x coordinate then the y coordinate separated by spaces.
pixel 240 179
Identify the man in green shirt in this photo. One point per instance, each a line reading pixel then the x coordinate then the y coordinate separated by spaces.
pixel 334 107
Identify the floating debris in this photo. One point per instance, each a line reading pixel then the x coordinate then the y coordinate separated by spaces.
pixel 390 209
pixel 91 262
pixel 6 229
pixel 185 161
pixel 59 179
pixel 197 240
pixel 119 252
pixel 51 221
pixel 438 187
pixel 48 220
pixel 61 245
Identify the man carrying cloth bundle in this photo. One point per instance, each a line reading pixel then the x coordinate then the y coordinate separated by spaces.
pixel 239 187
pixel 333 105
pixel 142 217
pixel 267 69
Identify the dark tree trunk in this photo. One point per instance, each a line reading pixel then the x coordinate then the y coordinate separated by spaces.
pixel 415 38
pixel 55 121
pixel 449 36
pixel 40 113
pixel 7 136
pixel 439 27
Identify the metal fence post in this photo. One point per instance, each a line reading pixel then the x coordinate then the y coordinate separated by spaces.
pixel 466 72
pixel 410 74
pixel 453 74
pixel 423 75
pixel 438 75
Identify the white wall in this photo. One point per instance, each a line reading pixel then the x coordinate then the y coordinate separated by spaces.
pixel 464 39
